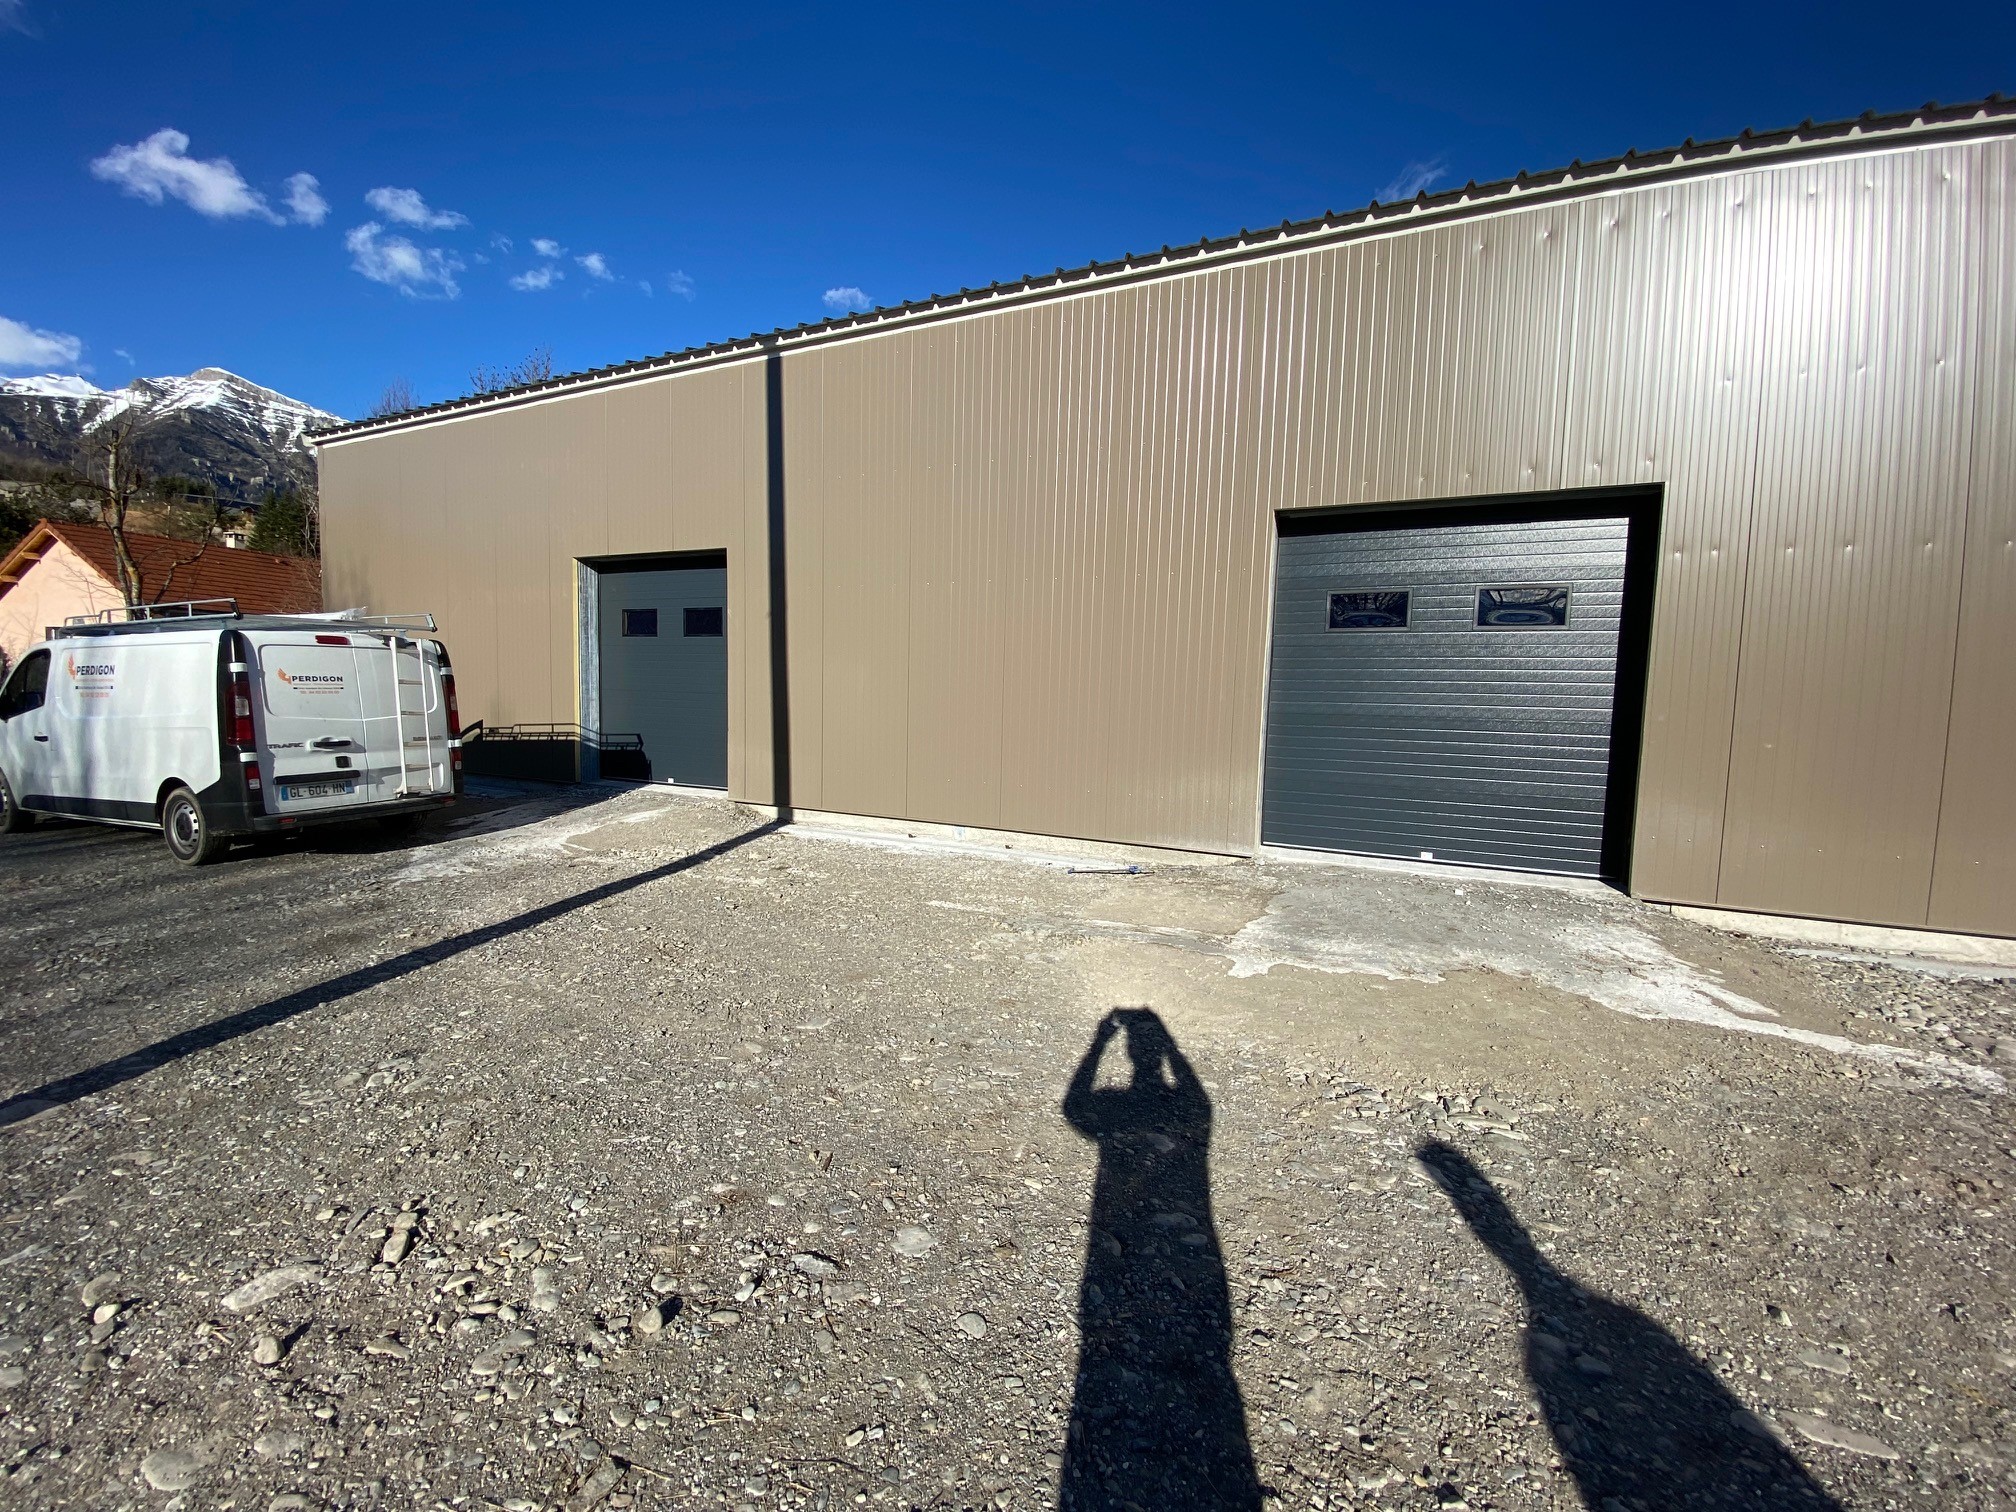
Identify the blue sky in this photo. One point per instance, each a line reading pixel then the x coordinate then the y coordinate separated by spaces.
pixel 701 172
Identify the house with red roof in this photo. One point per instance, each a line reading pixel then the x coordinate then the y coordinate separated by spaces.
pixel 60 569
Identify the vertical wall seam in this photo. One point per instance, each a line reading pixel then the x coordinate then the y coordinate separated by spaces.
pixel 1977 335
pixel 1764 318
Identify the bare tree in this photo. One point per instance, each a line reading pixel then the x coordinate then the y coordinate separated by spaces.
pixel 396 400
pixel 114 477
pixel 535 368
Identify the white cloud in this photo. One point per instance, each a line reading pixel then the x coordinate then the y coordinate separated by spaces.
pixel 645 285
pixel 679 283
pixel 597 266
pixel 845 298
pixel 304 200
pixel 1412 179
pixel 541 277
pixel 14 17
pixel 405 207
pixel 545 246
pixel 123 354
pixel 160 168
pixel 501 242
pixel 422 272
pixel 26 347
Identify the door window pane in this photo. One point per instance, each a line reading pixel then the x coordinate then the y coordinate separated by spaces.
pixel 1376 609
pixel 28 686
pixel 703 621
pixel 1522 608
pixel 640 621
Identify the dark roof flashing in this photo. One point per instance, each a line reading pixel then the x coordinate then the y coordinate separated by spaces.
pixel 1995 113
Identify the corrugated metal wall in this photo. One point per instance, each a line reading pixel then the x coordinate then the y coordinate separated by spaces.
pixel 1029 550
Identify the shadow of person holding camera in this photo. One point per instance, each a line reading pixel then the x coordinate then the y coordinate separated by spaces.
pixel 1157 1421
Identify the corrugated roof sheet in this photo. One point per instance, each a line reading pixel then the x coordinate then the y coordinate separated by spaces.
pixel 1995 113
pixel 261 582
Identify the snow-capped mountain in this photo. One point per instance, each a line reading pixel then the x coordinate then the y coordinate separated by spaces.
pixel 212 425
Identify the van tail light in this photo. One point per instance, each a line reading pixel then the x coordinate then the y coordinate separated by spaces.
pixel 242 735
pixel 242 738
pixel 454 711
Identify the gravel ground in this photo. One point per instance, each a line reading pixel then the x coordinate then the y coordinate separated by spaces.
pixel 598 1150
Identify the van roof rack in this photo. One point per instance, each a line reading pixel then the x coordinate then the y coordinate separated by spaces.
pixel 130 619
pixel 183 609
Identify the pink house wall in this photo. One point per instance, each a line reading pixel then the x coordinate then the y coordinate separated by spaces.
pixel 61 584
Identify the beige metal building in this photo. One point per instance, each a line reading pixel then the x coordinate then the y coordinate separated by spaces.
pixel 1033 557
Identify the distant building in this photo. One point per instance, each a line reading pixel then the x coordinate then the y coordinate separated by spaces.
pixel 63 569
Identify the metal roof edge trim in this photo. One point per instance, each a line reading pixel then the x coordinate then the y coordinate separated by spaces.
pixel 1993 116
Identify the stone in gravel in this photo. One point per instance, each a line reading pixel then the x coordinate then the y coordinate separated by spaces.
pixel 912 1242
pixel 492 1359
pixel 664 1282
pixel 819 1267
pixel 275 1283
pixel 277 1443
pixel 545 1291
pixel 600 1482
pixel 1821 1431
pixel 266 1351
pixel 649 1320
pixel 105 1312
pixel 100 1288
pixel 388 1347
pixel 173 1469
pixel 727 1317
pixel 971 1324
pixel 12 1376
pixel 840 1293
pixel 397 1243
pixel 289 1501
pixel 1823 1359
pixel 13 1345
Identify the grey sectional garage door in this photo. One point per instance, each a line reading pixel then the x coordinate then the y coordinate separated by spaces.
pixel 1445 692
pixel 664 651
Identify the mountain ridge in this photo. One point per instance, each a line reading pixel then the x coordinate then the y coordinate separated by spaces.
pixel 242 438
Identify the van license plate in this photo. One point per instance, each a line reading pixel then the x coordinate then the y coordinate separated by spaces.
pixel 316 790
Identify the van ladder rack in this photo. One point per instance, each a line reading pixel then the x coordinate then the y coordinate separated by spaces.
pixel 196 613
pixel 140 614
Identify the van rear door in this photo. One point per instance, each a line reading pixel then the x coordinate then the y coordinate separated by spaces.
pixel 405 719
pixel 313 750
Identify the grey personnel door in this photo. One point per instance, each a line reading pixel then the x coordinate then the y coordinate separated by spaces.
pixel 1445 692
pixel 663 639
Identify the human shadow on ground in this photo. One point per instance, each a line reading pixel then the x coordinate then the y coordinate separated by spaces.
pixel 1641 1423
pixel 1156 1420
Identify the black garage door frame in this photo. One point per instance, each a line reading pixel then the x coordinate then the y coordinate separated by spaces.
pixel 588 574
pixel 1643 506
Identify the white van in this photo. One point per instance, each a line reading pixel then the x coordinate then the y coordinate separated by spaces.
pixel 207 724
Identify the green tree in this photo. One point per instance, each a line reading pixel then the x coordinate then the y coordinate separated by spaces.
pixel 285 526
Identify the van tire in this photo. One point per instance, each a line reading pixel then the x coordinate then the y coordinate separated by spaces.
pixel 187 830
pixel 13 818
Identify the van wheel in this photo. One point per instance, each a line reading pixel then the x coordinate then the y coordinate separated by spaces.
pixel 190 838
pixel 12 817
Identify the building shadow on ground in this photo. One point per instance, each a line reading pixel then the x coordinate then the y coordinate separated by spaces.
pixel 1157 1422
pixel 1640 1422
pixel 173 1047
